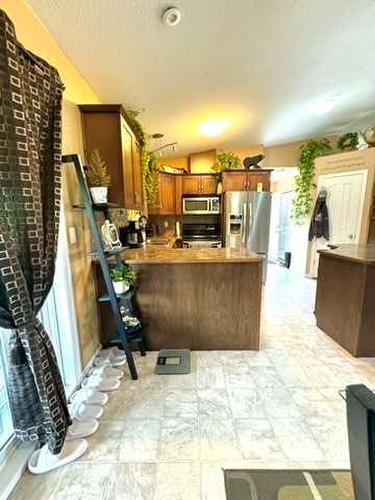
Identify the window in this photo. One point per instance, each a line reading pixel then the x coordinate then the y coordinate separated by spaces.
pixel 58 317
pixel 6 429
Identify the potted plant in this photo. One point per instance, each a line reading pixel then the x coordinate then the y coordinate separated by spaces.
pixel 123 277
pixel 348 141
pixel 98 178
pixel 225 161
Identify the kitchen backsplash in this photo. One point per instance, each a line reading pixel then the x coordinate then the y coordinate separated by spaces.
pixel 163 225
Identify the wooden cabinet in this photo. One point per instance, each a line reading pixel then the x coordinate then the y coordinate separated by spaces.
pixel 242 180
pixel 165 203
pixel 105 128
pixel 198 184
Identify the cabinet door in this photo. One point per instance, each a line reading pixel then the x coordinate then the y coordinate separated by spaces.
pixel 255 178
pixel 127 165
pixel 102 131
pixel 137 175
pixel 234 181
pixel 167 194
pixel 191 184
pixel 208 184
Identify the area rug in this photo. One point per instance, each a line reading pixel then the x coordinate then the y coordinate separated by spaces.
pixel 288 485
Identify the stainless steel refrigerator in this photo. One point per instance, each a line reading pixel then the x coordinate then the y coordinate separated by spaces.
pixel 247 217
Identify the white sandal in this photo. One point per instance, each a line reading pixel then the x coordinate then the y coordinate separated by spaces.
pixel 107 371
pixel 90 396
pixel 102 383
pixel 113 355
pixel 82 428
pixel 42 460
pixel 85 411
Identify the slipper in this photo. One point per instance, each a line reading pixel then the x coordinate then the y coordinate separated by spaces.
pixel 101 383
pixel 114 355
pixel 90 396
pixel 109 360
pixel 107 371
pixel 85 411
pixel 42 460
pixel 82 428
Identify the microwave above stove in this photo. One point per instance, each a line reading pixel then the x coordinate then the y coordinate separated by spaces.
pixel 200 205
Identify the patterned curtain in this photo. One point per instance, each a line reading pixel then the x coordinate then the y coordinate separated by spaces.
pixel 30 162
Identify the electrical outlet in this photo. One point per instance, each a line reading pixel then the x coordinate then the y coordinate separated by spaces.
pixel 166 224
pixel 72 235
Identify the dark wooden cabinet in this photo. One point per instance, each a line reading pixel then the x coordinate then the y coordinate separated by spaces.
pixel 105 127
pixel 165 199
pixel 242 180
pixel 198 184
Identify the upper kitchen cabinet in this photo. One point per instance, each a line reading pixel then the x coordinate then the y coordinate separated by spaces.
pixel 198 184
pixel 244 180
pixel 105 127
pixel 165 198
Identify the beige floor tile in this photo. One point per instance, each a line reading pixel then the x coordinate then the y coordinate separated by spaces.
pixel 131 482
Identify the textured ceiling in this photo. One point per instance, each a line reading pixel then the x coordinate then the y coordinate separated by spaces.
pixel 266 66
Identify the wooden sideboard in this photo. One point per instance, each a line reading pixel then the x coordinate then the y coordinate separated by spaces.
pixel 345 297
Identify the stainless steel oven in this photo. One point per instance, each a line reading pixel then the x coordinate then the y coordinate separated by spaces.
pixel 200 205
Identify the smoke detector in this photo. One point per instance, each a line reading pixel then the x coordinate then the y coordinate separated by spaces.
pixel 171 16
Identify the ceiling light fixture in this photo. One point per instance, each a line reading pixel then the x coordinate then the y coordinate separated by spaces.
pixel 212 128
pixel 171 16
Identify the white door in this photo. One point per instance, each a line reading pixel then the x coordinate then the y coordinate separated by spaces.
pixel 345 200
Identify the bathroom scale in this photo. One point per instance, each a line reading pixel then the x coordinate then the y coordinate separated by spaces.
pixel 173 362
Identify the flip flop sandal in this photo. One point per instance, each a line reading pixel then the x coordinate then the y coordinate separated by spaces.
pixel 42 460
pixel 85 411
pixel 82 428
pixel 90 396
pixel 102 383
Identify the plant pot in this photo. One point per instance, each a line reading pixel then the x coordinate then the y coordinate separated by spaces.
pixel 99 195
pixel 120 286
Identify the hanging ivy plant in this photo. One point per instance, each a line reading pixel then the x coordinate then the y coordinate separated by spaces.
pixel 149 161
pixel 150 171
pixel 303 200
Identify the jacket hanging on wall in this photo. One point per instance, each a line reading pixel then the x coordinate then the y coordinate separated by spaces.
pixel 30 161
pixel 319 226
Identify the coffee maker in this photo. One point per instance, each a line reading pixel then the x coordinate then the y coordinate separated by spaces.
pixel 132 235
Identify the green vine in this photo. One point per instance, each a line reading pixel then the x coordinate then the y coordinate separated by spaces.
pixel 150 172
pixel 149 161
pixel 303 200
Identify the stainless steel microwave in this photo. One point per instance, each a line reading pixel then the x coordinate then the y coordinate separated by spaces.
pixel 200 205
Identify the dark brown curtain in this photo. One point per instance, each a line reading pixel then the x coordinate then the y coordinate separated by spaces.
pixel 30 161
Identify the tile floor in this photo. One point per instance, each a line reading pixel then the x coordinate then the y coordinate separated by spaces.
pixel 169 437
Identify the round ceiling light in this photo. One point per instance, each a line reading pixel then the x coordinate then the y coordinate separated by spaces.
pixel 171 16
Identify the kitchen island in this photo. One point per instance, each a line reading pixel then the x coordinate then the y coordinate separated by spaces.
pixel 198 299
pixel 345 298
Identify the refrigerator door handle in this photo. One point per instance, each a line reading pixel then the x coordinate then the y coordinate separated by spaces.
pixel 244 223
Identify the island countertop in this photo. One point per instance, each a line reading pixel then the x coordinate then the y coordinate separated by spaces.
pixel 363 254
pixel 165 255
